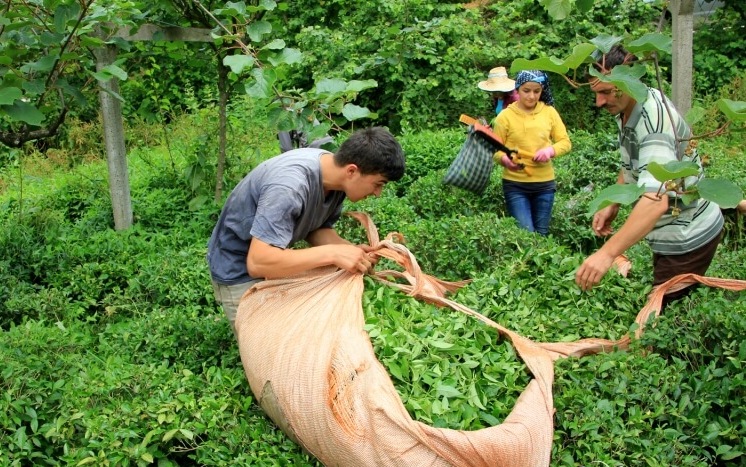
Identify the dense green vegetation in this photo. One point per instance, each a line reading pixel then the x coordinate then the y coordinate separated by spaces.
pixel 115 352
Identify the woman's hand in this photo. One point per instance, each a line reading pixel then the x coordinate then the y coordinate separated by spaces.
pixel 544 154
pixel 508 163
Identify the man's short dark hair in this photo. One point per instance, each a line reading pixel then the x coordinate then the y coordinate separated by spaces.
pixel 604 62
pixel 375 151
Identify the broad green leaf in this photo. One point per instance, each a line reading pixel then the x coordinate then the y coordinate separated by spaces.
pixel 8 95
pixel 35 86
pixel 358 85
pixel 330 86
pixel 734 110
pixel 579 55
pixel 67 56
pixel 604 42
pixel 672 170
pixel 621 194
pixel 72 90
pixel 282 119
pixel 584 5
pixel 116 71
pixel 232 9
pixel 627 79
pixel 146 440
pixel 553 64
pixel 557 9
pixel 63 14
pixel 319 131
pixel 651 42
pixel 724 193
pixel 489 419
pixel 109 72
pixel 695 115
pixel 354 112
pixel 44 64
pixel 439 344
pixel 732 454
pixel 91 41
pixel 443 390
pixel 276 44
pixel 262 87
pixel 237 63
pixel 691 195
pixel 394 369
pixel 268 4
pixel 113 94
pixel 258 29
pixel 24 112
pixel 51 39
pixel 286 56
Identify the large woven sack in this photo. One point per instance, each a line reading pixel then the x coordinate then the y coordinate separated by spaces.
pixel 312 368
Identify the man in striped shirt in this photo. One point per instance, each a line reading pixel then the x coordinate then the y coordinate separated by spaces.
pixel 683 237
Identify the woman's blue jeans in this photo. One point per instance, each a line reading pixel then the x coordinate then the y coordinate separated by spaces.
pixel 533 211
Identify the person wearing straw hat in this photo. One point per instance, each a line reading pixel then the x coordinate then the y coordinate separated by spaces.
pixel 501 88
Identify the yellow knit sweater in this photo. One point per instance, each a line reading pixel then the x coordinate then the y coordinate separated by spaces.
pixel 528 132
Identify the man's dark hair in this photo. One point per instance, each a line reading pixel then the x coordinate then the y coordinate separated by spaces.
pixel 604 62
pixel 375 151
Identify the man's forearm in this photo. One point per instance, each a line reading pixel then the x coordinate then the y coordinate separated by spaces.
pixel 271 262
pixel 640 222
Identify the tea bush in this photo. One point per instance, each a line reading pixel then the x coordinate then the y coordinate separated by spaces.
pixel 115 352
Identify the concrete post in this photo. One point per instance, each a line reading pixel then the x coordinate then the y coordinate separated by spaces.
pixel 116 154
pixel 682 12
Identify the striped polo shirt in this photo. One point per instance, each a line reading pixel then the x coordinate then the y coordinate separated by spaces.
pixel 648 136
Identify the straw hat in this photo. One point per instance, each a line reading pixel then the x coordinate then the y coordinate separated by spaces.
pixel 497 80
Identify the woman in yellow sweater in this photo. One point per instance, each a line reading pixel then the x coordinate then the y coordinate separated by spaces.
pixel 532 126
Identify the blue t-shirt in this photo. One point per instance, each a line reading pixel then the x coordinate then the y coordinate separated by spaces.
pixel 280 202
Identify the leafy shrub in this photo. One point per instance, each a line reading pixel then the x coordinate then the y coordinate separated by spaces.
pixel 450 369
pixel 389 213
pixel 709 351
pixel 430 198
pixel 167 78
pixel 462 247
pixel 114 350
pixel 428 57
pixel 613 408
pixel 429 151
pixel 717 49
pixel 74 397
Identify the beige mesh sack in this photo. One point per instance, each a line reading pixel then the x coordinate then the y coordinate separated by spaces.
pixel 312 369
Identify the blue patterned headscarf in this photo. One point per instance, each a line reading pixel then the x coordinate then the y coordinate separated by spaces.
pixel 540 77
